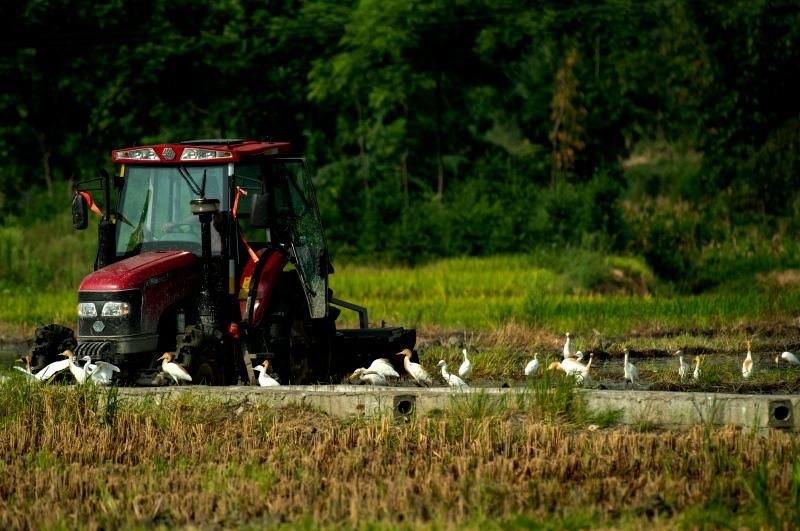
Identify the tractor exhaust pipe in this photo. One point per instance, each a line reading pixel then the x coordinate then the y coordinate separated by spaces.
pixel 205 209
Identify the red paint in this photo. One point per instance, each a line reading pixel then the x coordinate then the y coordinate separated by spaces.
pixel 132 272
pixel 173 276
pixel 266 283
pixel 248 150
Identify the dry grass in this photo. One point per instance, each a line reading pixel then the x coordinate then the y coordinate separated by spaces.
pixel 69 462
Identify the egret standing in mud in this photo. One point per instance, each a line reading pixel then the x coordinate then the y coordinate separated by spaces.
pixel 264 379
pixel 573 368
pixel 569 349
pixel 101 372
pixel 747 364
pixel 77 371
pixel 696 373
pixel 451 379
pixel 175 371
pixel 533 366
pixel 683 367
pixel 790 358
pixel 630 371
pixel 416 370
pixel 465 371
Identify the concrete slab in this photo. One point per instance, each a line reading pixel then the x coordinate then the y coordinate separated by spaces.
pixel 637 408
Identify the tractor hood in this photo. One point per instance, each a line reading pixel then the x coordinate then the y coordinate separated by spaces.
pixel 143 270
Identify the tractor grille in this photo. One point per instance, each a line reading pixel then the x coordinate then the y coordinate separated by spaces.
pixel 93 349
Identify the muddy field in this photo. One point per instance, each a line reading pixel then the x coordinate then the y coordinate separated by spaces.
pixel 499 357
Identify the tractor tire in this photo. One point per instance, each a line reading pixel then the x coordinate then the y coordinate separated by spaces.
pixel 49 341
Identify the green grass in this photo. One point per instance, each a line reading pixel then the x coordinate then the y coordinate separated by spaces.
pixel 481 294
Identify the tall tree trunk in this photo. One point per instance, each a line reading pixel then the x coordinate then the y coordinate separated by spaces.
pixel 362 151
pixel 46 153
pixel 404 171
pixel 404 161
pixel 439 163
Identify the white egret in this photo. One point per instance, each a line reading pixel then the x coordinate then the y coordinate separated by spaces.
pixel 465 371
pixel 368 376
pixel 416 370
pixel 569 349
pixel 77 371
pixel 747 364
pixel 383 367
pixel 683 367
pixel 696 373
pixel 44 374
pixel 533 366
pixel 451 379
pixel 51 369
pixel 630 371
pixel 264 379
pixel 175 371
pixel 573 368
pixel 101 372
pixel 27 369
pixel 790 358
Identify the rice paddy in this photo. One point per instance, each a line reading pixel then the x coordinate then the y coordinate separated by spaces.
pixel 82 458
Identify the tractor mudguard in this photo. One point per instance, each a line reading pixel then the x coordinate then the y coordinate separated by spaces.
pixel 257 284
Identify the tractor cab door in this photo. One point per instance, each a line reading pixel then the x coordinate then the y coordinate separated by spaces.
pixel 298 216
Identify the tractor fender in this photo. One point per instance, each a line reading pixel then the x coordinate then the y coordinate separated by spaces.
pixel 257 284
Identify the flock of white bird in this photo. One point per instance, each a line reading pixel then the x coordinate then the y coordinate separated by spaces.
pixel 382 372
pixel 572 365
pixel 100 372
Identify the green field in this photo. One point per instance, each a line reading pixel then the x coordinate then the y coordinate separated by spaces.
pixel 486 293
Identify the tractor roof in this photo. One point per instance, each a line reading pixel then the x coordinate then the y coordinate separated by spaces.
pixel 201 151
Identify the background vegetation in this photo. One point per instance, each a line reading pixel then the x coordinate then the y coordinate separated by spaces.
pixel 666 130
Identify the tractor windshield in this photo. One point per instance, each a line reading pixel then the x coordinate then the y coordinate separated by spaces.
pixel 154 211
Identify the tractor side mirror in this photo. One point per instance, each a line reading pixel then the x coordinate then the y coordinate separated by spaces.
pixel 80 212
pixel 259 211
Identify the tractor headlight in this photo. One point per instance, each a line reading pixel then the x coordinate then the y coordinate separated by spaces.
pixel 87 309
pixel 136 154
pixel 201 154
pixel 116 309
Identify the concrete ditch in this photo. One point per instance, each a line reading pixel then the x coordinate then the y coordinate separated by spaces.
pixel 636 408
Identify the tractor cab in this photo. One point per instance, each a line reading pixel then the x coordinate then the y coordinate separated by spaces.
pixel 155 206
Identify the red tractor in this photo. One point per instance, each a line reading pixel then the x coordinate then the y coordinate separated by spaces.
pixel 214 250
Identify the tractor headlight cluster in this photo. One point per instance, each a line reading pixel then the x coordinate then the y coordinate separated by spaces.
pixel 87 309
pixel 116 309
pixel 201 154
pixel 136 154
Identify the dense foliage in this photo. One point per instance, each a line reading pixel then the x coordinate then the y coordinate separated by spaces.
pixel 664 129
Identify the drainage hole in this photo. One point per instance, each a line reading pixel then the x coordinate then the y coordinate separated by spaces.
pixel 405 407
pixel 781 413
